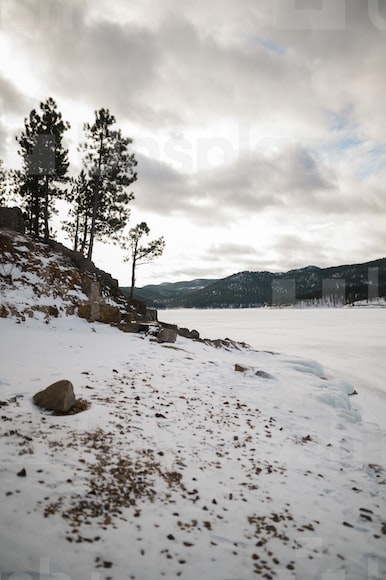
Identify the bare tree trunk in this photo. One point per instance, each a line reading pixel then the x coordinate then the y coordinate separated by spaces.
pixel 76 237
pixel 46 228
pixel 35 212
pixel 133 278
pixel 85 232
pixel 95 201
pixel 93 220
pixel 134 256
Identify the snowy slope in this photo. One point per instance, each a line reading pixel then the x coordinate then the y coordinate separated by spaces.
pixel 35 281
pixel 182 467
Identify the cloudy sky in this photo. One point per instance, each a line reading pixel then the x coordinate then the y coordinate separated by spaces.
pixel 259 127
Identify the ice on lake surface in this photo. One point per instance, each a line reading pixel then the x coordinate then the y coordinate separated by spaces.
pixel 349 343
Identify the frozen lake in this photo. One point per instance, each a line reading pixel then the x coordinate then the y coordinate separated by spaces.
pixel 348 342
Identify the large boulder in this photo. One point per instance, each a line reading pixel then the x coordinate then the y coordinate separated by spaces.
pixel 58 397
pixel 12 219
pixel 168 334
pixel 135 327
pixel 186 333
pixel 96 312
pixel 107 314
pixel 194 334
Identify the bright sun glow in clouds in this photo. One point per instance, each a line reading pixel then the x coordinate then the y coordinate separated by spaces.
pixel 259 129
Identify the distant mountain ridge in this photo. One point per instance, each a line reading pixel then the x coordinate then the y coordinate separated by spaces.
pixel 311 285
pixel 162 293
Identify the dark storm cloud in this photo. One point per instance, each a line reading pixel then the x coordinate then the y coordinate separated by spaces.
pixel 343 59
pixel 202 63
pixel 106 64
pixel 172 72
pixel 251 183
pixel 161 189
pixel 293 180
pixel 89 59
pixel 257 181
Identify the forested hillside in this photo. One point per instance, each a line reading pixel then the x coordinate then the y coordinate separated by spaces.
pixel 315 286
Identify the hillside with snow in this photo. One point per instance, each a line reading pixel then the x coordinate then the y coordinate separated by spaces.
pixel 35 282
pixel 191 460
pixel 310 286
pixel 47 280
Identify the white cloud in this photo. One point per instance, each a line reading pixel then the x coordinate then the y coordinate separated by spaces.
pixel 247 125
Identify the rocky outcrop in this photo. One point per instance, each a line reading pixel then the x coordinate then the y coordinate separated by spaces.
pixel 186 333
pixel 101 288
pixel 38 279
pixel 226 343
pixel 109 286
pixel 96 312
pixel 58 397
pixel 34 281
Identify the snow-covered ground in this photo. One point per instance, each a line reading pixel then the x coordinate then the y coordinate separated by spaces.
pixel 183 466
pixel 348 342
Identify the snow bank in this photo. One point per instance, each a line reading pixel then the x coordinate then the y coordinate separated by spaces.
pixel 183 467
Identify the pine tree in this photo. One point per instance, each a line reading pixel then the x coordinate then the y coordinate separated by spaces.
pixel 45 165
pixel 3 184
pixel 141 254
pixel 79 196
pixel 109 171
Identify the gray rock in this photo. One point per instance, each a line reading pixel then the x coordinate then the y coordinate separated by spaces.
pixel 145 327
pixel 98 312
pixel 184 332
pixel 169 325
pixel 258 373
pixel 167 335
pixel 129 326
pixel 263 374
pixel 240 368
pixel 194 334
pixel 58 397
